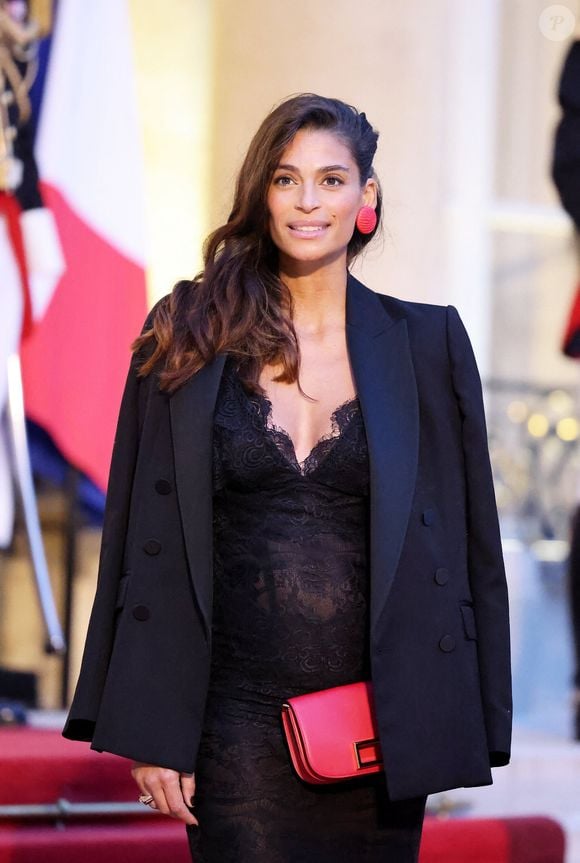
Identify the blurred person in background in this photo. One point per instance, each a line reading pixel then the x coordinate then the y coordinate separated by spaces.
pixel 566 174
pixel 300 498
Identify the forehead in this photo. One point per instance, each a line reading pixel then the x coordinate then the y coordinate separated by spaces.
pixel 316 147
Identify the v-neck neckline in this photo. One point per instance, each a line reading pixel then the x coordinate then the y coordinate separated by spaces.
pixel 264 407
pixel 289 452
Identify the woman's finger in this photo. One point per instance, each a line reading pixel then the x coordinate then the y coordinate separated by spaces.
pixel 188 790
pixel 154 789
pixel 165 787
pixel 137 774
pixel 175 803
pixel 151 781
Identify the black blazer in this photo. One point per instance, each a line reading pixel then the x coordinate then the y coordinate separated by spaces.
pixel 439 618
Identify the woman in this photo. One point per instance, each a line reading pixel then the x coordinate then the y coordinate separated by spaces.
pixel 300 479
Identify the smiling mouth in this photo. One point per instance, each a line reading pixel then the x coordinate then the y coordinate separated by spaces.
pixel 309 230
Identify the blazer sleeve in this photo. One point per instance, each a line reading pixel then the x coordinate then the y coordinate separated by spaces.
pixel 84 709
pixel 485 559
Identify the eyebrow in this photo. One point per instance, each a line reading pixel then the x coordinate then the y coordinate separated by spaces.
pixel 319 170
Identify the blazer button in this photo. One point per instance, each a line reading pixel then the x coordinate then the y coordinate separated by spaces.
pixel 141 612
pixel 441 576
pixel 152 547
pixel 447 644
pixel 163 487
pixel 429 517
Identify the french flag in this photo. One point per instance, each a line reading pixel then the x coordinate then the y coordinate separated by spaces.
pixel 75 358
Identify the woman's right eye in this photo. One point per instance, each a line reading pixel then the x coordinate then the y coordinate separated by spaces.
pixel 283 180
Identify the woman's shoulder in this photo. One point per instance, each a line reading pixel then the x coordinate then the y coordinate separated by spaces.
pixel 427 323
pixel 395 307
pixel 428 326
pixel 412 309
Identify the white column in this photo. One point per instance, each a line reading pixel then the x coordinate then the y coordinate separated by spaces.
pixel 469 126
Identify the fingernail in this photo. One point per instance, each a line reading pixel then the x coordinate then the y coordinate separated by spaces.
pixel 192 801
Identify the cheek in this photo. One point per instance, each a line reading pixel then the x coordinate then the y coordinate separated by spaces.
pixel 350 207
pixel 346 215
pixel 273 224
pixel 274 204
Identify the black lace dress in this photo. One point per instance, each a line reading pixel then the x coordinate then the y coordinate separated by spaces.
pixel 290 616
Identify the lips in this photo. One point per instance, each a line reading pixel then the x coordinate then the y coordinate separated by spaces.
pixel 308 228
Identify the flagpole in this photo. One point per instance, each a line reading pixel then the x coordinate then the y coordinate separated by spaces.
pixel 23 473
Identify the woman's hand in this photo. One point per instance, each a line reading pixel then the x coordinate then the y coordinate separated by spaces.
pixel 172 792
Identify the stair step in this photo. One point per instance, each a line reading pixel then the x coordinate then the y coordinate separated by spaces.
pixel 139 843
pixel 63 769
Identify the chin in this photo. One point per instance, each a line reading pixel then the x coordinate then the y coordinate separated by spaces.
pixel 310 263
pixel 310 251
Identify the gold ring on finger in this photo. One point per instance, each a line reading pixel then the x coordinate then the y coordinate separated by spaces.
pixel 146 799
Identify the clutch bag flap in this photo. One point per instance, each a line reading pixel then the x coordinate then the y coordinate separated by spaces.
pixel 332 734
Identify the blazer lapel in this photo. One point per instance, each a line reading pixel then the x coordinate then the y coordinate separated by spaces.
pixel 380 357
pixel 191 410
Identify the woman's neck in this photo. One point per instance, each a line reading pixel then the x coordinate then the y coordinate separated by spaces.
pixel 319 298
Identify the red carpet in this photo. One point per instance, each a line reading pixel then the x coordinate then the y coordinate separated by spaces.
pixel 532 839
pixel 129 843
pixel 40 767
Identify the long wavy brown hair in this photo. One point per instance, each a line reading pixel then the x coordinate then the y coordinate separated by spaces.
pixel 238 303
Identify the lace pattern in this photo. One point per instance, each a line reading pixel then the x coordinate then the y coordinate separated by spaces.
pixel 339 420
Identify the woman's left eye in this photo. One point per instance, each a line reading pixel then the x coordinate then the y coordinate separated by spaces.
pixel 333 181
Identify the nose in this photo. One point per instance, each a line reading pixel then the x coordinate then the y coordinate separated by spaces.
pixel 308 197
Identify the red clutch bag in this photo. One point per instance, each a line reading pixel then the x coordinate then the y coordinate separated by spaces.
pixel 332 734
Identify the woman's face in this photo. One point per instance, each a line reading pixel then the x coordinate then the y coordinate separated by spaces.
pixel 314 198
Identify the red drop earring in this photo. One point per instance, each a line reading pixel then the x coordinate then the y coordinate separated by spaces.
pixel 366 220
